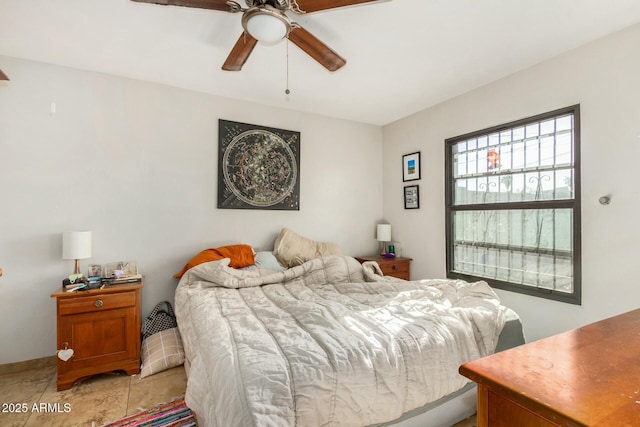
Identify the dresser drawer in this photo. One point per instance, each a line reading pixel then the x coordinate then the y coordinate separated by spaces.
pixel 93 303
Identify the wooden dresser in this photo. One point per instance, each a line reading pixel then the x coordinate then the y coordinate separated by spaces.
pixel 397 267
pixel 589 376
pixel 102 327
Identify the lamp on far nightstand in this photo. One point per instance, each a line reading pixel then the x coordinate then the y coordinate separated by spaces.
pixel 383 235
pixel 76 245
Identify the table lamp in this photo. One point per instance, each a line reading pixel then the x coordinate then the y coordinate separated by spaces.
pixel 76 245
pixel 383 235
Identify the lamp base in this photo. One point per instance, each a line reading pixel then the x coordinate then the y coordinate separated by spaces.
pixel 77 271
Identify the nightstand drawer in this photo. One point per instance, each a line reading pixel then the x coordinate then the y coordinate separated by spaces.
pixel 399 267
pixel 92 303
pixel 390 268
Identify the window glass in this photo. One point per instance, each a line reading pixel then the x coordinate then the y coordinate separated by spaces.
pixel 513 212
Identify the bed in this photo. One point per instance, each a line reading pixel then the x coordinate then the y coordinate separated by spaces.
pixel 332 342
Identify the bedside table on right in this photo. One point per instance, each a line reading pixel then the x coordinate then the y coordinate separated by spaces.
pixel 399 267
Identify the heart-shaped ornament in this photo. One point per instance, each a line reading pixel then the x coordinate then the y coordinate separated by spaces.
pixel 65 354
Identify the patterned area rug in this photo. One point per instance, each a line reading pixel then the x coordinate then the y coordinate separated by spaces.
pixel 172 414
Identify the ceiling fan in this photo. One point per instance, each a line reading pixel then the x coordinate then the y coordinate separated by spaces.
pixel 267 21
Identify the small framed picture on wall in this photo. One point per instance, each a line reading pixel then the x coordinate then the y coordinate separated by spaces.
pixel 411 167
pixel 412 197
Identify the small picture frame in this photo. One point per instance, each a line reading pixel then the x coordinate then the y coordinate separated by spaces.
pixel 411 167
pixel 412 197
pixel 95 270
pixel 120 269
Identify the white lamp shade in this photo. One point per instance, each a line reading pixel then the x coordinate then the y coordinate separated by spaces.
pixel 383 233
pixel 266 28
pixel 76 244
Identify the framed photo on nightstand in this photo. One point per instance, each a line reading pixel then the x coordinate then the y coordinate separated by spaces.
pixel 412 197
pixel 95 270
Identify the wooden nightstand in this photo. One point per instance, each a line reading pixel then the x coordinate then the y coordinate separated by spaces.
pixel 397 267
pixel 102 327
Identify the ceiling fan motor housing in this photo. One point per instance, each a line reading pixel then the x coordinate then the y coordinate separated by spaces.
pixel 266 24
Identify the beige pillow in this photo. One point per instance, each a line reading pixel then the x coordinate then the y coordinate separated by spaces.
pixel 161 351
pixel 292 249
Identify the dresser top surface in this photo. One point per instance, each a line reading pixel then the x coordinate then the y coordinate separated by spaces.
pixel 590 375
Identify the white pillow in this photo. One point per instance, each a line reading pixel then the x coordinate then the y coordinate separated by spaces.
pixel 292 249
pixel 161 351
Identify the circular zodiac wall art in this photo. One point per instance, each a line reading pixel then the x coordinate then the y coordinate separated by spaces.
pixel 258 167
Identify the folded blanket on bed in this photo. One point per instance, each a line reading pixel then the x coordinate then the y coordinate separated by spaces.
pixel 329 342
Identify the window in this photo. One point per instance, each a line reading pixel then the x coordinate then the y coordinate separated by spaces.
pixel 513 206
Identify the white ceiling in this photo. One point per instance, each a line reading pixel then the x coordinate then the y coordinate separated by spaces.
pixel 402 55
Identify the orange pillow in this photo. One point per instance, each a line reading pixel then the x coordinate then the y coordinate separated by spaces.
pixel 240 255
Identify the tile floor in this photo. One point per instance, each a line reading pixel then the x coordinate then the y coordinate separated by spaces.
pixel 92 402
pixel 469 422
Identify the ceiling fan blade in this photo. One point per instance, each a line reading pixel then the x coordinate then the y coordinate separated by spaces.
pixel 316 5
pixel 240 53
pixel 316 49
pixel 202 4
pixel 3 76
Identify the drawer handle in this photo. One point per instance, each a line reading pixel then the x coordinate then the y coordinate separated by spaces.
pixel 395 267
pixel 98 303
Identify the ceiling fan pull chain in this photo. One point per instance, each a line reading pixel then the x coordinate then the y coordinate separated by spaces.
pixel 287 91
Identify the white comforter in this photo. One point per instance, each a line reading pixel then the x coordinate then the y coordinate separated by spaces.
pixel 327 343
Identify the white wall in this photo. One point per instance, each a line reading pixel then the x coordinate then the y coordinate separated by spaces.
pixel 603 78
pixel 136 163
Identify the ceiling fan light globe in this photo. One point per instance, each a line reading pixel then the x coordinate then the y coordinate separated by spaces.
pixel 266 26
